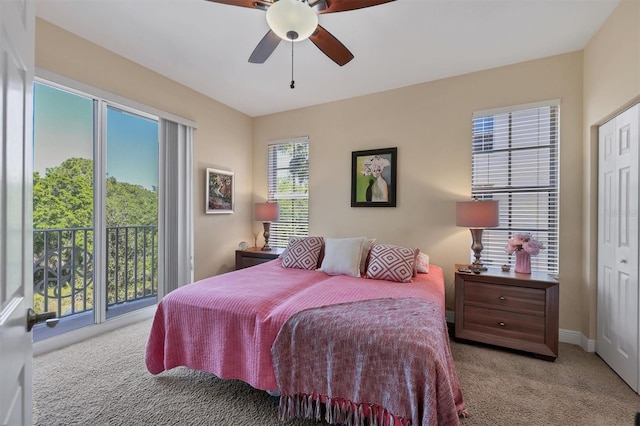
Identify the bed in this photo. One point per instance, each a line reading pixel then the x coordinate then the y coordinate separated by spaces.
pixel 263 325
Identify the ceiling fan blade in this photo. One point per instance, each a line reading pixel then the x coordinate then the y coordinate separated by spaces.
pixel 253 4
pixel 331 46
pixel 265 48
pixel 344 5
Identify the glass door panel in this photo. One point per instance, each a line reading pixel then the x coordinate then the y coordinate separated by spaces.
pixel 63 192
pixel 131 211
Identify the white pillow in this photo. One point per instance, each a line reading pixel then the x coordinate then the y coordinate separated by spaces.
pixel 342 256
pixel 422 263
pixel 366 247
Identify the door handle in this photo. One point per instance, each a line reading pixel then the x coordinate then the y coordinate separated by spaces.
pixel 48 318
pixel 623 260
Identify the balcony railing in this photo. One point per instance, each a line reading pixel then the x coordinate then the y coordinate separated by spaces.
pixel 63 269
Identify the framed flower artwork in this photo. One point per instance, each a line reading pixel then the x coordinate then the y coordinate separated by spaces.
pixel 219 192
pixel 373 178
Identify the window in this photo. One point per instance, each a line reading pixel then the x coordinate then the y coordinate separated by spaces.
pixel 515 161
pixel 111 202
pixel 288 171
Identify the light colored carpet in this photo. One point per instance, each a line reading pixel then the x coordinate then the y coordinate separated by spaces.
pixel 103 381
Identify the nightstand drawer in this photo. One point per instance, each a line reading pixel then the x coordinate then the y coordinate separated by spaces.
pixel 494 296
pixel 254 256
pixel 503 308
pixel 247 262
pixel 505 324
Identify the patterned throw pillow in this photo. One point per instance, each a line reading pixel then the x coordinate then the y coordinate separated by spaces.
pixel 303 253
pixel 391 263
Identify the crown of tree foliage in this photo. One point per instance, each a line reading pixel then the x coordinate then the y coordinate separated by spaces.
pixel 63 198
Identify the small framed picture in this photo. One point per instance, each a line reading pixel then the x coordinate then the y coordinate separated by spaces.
pixel 220 192
pixel 373 178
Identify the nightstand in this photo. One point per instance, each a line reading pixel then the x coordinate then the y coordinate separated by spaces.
pixel 255 256
pixel 517 311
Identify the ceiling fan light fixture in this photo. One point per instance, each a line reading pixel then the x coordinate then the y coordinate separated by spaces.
pixel 292 19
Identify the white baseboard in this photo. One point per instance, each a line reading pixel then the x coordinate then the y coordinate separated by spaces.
pixel 577 338
pixel 57 342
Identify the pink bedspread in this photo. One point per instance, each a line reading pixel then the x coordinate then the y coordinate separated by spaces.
pixel 227 324
pixel 376 362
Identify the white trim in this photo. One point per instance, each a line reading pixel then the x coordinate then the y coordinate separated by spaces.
pixel 65 339
pixel 289 140
pixel 577 338
pixel 46 76
pixel 100 213
pixel 503 110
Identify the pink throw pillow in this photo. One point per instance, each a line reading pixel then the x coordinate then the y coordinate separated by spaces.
pixel 391 263
pixel 303 253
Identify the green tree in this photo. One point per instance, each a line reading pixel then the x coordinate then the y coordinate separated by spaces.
pixel 63 199
pixel 129 204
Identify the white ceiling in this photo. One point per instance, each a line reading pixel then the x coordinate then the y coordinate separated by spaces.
pixel 206 45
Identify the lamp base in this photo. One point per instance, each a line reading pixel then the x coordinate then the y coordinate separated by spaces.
pixel 267 227
pixel 477 266
pixel 476 247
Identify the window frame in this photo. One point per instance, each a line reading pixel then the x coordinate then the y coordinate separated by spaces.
pixel 483 143
pixel 286 227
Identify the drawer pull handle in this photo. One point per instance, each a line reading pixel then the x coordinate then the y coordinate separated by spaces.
pixel 502 298
pixel 501 324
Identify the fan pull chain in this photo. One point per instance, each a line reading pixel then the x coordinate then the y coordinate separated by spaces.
pixel 293 83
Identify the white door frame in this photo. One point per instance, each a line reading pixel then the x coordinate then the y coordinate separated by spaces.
pixel 17 52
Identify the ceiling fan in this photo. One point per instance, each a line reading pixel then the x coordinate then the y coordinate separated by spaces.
pixel 297 20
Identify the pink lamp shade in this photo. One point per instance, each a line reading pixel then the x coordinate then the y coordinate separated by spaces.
pixel 477 214
pixel 266 212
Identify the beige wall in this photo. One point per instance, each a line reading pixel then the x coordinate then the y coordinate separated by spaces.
pixel 223 138
pixel 430 124
pixel 611 83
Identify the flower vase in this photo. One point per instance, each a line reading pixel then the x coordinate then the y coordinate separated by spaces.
pixel 523 262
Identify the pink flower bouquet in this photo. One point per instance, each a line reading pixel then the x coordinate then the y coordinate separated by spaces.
pixel 524 242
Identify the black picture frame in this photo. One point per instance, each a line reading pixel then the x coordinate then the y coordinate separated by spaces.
pixel 374 177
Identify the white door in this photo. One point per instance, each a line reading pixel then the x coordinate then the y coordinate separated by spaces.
pixel 17 33
pixel 618 303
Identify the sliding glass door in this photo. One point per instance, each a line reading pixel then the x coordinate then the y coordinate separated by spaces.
pixel 95 208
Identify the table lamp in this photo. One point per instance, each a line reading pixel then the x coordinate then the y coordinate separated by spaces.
pixel 477 215
pixel 266 213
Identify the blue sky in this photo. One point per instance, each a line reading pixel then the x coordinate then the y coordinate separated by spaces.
pixel 63 128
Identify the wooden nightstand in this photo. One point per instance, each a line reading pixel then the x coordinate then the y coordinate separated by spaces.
pixel 254 256
pixel 517 311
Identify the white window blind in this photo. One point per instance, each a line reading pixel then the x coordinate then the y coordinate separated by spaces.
pixel 515 161
pixel 289 186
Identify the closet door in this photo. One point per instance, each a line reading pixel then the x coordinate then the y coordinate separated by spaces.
pixel 618 303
